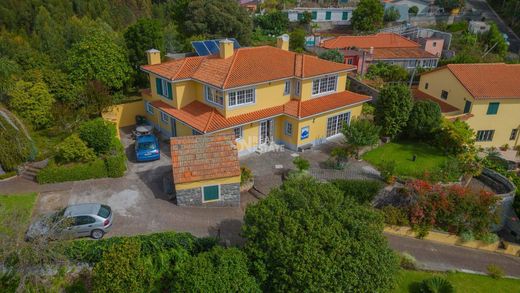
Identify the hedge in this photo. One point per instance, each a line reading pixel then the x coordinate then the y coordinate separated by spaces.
pixel 91 251
pixel 116 166
pixel 80 171
pixel 362 191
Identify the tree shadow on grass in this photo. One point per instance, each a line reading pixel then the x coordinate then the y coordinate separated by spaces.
pixel 415 287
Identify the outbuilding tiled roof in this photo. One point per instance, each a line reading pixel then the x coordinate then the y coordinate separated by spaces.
pixel 204 157
pixel 381 40
pixel 206 119
pixel 247 66
pixel 422 96
pixel 401 53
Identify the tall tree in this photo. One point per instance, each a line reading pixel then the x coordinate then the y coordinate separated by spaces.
pixel 393 108
pixel 98 57
pixel 308 236
pixel 214 19
pixel 425 119
pixel 368 16
pixel 145 34
pixel 360 133
pixel 48 35
pixel 32 101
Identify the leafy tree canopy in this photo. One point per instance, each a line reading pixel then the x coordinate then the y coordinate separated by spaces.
pixel 306 236
pixel 361 133
pixel 368 16
pixel 332 55
pixel 273 23
pixel 218 270
pixel 98 57
pixel 214 19
pixel 387 72
pixel 393 108
pixel 32 101
pixel 391 14
pixel 425 119
pixel 297 40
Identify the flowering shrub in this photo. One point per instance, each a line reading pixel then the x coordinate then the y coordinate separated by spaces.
pixel 451 208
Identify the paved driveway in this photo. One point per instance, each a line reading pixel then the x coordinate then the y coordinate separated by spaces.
pixel 141 206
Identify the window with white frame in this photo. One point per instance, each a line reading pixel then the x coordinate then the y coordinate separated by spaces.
pixel 214 96
pixel 164 117
pixel 241 97
pixel 297 88
pixel 324 84
pixel 287 88
pixel 149 108
pixel 238 133
pixel 288 128
pixel 335 123
pixel 485 135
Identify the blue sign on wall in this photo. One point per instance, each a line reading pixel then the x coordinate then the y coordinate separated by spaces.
pixel 305 132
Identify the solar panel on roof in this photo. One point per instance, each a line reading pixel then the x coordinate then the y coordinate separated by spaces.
pixel 200 48
pixel 212 46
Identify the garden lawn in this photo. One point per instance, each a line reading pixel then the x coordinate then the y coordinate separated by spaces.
pixel 16 207
pixel 429 158
pixel 408 281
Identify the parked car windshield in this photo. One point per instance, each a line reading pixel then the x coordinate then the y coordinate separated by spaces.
pixel 104 211
pixel 147 146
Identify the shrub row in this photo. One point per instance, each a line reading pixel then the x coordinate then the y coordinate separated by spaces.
pixel 91 251
pixel 80 171
pixel 113 165
pixel 363 191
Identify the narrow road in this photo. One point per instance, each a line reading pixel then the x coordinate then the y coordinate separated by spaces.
pixel 436 256
pixel 490 14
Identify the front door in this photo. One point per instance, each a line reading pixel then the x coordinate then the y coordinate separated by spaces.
pixel 467 107
pixel 266 130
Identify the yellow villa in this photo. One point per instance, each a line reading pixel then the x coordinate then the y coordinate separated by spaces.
pixel 266 95
pixel 486 96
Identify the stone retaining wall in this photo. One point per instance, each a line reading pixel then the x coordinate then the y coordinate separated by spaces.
pixel 361 88
pixel 505 189
pixel 229 196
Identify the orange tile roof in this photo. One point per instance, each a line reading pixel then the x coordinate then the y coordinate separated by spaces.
pixel 247 66
pixel 422 96
pixel 402 53
pixel 488 80
pixel 206 119
pixel 204 157
pixel 381 40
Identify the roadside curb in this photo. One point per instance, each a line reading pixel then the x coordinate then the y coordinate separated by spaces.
pixel 450 239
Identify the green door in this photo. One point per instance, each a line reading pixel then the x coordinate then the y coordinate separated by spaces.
pixel 211 192
pixel 328 15
pixel 314 15
pixel 344 15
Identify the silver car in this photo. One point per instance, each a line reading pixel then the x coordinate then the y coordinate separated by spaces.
pixel 78 220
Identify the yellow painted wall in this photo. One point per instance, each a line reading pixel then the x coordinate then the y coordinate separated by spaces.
pixel 190 185
pixel 506 119
pixel 183 129
pixel 250 137
pixel 124 114
pixel 280 130
pixel 267 95
pixel 441 80
pixel 318 124
pixel 185 93
pixel 307 86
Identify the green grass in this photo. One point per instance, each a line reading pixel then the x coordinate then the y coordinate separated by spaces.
pixel 16 208
pixel 429 158
pixel 408 281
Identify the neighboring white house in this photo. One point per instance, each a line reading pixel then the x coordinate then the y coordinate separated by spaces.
pixel 422 5
pixel 478 27
pixel 340 15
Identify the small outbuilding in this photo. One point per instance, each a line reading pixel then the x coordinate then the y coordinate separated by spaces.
pixel 206 170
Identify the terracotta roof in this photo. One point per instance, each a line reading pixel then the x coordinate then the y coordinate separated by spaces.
pixel 488 81
pixel 401 53
pixel 246 66
pixel 381 40
pixel 422 96
pixel 207 119
pixel 204 157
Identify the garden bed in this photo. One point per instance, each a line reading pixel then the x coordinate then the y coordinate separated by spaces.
pixel 408 281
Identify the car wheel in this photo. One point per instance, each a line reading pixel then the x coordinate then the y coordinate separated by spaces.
pixel 97 234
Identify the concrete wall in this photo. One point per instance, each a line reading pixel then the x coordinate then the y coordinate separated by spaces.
pixel 361 88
